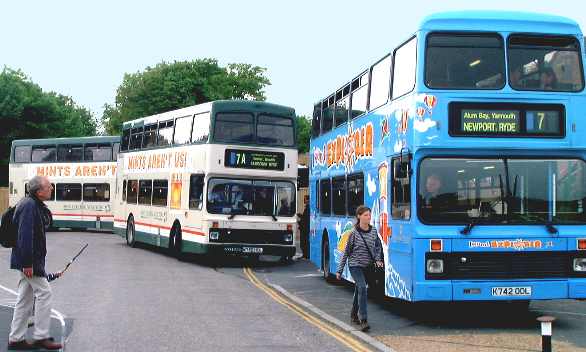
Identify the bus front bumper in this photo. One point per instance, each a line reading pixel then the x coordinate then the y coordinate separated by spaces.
pixel 574 288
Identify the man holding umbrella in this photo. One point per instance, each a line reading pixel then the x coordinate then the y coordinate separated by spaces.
pixel 28 257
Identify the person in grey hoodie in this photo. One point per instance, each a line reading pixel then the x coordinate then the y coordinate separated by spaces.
pixel 362 247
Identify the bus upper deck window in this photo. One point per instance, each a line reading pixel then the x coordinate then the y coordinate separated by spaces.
pixel 545 63
pixel 44 153
pixel 22 154
pixel 464 61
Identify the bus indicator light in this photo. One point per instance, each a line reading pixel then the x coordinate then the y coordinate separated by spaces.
pixel 436 245
pixel 215 225
pixel 289 227
pixel 582 244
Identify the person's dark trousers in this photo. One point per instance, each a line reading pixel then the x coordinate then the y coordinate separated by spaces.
pixel 360 292
pixel 304 245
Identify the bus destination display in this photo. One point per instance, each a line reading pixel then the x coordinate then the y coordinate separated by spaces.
pixel 507 120
pixel 490 121
pixel 251 159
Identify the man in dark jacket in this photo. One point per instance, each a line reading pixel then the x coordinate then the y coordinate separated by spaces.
pixel 28 257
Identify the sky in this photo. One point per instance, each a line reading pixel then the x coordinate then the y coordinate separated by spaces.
pixel 82 49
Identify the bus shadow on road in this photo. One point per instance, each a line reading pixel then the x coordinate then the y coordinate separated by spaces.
pixel 263 263
pixel 464 315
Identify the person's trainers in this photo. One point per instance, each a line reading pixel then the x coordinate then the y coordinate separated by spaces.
pixel 20 346
pixel 48 344
pixel 364 327
pixel 354 319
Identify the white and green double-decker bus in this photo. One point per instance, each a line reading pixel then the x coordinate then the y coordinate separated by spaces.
pixel 82 171
pixel 218 177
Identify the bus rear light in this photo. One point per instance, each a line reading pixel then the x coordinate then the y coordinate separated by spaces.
pixel 436 245
pixel 289 227
pixel 215 225
pixel 582 244
pixel 435 266
pixel 580 264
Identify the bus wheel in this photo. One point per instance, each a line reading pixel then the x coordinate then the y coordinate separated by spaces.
pixel 176 243
pixel 130 232
pixel 325 262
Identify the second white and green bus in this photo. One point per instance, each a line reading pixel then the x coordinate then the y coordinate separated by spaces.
pixel 218 177
pixel 82 171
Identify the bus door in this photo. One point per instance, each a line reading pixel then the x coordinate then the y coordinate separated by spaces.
pixel 398 241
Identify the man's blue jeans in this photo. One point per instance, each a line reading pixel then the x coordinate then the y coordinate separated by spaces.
pixel 360 293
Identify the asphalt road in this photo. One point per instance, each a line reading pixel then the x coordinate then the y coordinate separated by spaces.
pixel 117 298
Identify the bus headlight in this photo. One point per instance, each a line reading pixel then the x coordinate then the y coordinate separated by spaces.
pixel 435 266
pixel 288 237
pixel 580 264
pixel 214 235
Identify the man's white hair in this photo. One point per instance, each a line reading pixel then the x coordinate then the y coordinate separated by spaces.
pixel 35 184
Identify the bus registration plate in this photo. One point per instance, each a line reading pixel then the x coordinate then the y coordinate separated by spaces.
pixel 254 250
pixel 511 291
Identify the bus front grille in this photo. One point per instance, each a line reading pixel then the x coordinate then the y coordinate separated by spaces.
pixel 503 265
pixel 252 236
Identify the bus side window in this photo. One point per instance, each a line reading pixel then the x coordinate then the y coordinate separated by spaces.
pixel 401 191
pixel 355 192
pixel 132 192
pixel 196 183
pixel 339 195
pixel 325 201
pixel 160 192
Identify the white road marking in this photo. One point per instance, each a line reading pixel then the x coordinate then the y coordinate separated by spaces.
pixel 309 275
pixel 56 314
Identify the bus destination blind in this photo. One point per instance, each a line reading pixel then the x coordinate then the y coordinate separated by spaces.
pixel 251 159
pixel 512 120
pixel 490 121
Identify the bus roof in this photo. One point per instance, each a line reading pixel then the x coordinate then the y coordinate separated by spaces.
pixel 504 21
pixel 67 140
pixel 218 105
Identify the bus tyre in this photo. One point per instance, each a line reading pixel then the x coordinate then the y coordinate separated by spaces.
pixel 325 263
pixel 175 242
pixel 130 232
pixel 286 260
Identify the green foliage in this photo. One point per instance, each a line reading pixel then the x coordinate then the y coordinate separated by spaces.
pixel 303 133
pixel 170 86
pixel 28 112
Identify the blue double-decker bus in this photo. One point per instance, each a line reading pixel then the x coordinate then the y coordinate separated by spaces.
pixel 468 143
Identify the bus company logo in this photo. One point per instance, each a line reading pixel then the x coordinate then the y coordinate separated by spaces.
pixel 518 244
pixel 157 161
pixel 346 149
pixel 76 171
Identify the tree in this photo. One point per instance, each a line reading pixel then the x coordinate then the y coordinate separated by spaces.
pixel 28 112
pixel 170 86
pixel 303 133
